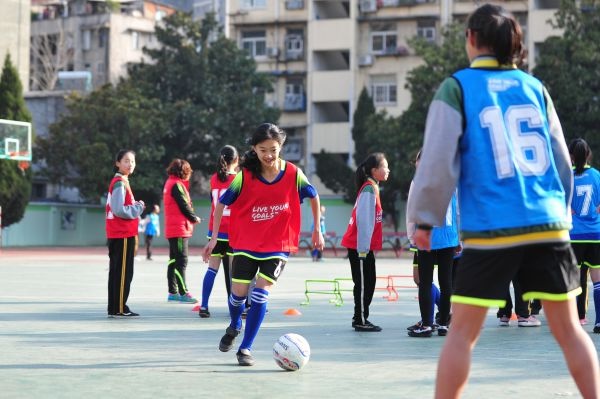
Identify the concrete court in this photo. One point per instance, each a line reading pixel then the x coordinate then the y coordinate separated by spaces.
pixel 56 341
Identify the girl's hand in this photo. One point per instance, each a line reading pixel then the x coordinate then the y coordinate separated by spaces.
pixel 423 239
pixel 208 250
pixel 318 240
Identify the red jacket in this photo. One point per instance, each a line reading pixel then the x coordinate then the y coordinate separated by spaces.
pixel 117 227
pixel 266 217
pixel 176 223
pixel 217 188
pixel 350 239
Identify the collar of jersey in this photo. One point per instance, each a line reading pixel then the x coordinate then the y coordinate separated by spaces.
pixel 487 61
pixel 279 176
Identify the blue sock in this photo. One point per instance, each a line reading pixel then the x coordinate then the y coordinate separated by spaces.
pixel 435 299
pixel 597 301
pixel 236 307
pixel 207 285
pixel 255 316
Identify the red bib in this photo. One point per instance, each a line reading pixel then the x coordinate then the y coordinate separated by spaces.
pixel 217 188
pixel 350 239
pixel 266 217
pixel 117 227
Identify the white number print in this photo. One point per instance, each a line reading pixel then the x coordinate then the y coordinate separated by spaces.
pixel 215 194
pixel 528 147
pixel 586 191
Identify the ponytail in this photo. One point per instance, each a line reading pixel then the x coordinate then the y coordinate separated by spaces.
pixel 227 156
pixel 580 154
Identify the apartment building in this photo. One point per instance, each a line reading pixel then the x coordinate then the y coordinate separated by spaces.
pixel 321 53
pixel 95 40
pixel 14 25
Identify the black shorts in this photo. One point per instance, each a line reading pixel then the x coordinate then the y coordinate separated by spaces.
pixel 587 253
pixel 222 249
pixel 545 271
pixel 244 269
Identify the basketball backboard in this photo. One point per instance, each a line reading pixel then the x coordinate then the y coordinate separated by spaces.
pixel 15 140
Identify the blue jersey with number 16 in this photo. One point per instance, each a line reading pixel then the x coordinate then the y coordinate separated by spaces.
pixel 508 176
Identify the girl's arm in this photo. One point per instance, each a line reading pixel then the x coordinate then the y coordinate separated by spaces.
pixel 317 236
pixel 217 216
pixel 117 203
pixel 365 220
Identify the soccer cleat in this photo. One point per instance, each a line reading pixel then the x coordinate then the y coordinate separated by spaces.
pixel 245 358
pixel 122 315
pixel 228 339
pixel 203 313
pixel 422 332
pixel 173 298
pixel 596 329
pixel 504 321
pixel 187 298
pixel 418 324
pixel 442 331
pixel 366 327
pixel 530 321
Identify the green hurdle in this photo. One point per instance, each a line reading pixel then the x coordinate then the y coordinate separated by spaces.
pixel 324 287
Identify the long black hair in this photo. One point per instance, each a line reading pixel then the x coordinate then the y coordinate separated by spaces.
pixel 496 28
pixel 580 154
pixel 265 131
pixel 227 156
pixel 363 171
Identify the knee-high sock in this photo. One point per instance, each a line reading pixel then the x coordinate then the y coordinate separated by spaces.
pixel 236 307
pixel 597 301
pixel 255 316
pixel 207 285
pixel 435 299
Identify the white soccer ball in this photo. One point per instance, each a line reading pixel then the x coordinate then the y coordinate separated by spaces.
pixel 291 352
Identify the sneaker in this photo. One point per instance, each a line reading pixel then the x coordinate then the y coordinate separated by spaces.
pixel 203 313
pixel 173 298
pixel 421 332
pixel 530 321
pixel 187 298
pixel 583 322
pixel 366 327
pixel 122 315
pixel 418 324
pixel 504 321
pixel 228 339
pixel 442 331
pixel 596 329
pixel 244 357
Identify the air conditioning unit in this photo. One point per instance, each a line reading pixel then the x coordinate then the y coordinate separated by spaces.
pixel 365 60
pixel 368 5
pixel 294 4
pixel 273 52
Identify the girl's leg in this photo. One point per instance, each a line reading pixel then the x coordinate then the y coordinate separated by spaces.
pixel 576 344
pixel 595 275
pixel 256 314
pixel 444 260
pixel 583 297
pixel 455 358
pixel 426 263
pixel 370 279
pixel 227 273
pixel 209 279
pixel 171 281
pixel 435 299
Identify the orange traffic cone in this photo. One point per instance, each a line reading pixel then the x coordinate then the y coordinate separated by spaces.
pixel 292 312
pixel 196 308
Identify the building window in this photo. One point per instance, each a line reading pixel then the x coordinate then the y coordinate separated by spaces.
pixel 87 39
pixel 384 41
pixel 102 36
pixel 294 96
pixel 426 30
pixel 246 4
pixel 135 40
pixel 384 90
pixel 255 43
pixel 294 44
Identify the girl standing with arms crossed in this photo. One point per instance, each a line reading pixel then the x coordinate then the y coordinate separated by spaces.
pixel 122 218
pixel 365 235
pixel 179 227
pixel 219 182
pixel 585 234
pixel 493 130
pixel 264 229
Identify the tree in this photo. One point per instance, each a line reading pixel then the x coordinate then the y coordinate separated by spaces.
pixel 209 87
pixel 192 97
pixel 50 53
pixel 80 148
pixel 15 183
pixel 568 66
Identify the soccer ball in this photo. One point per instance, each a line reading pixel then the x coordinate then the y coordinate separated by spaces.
pixel 291 352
